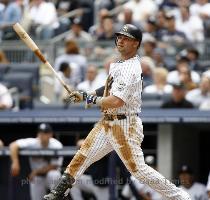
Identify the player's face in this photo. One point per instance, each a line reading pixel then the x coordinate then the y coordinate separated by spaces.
pixel 186 180
pixel 126 44
pixel 44 138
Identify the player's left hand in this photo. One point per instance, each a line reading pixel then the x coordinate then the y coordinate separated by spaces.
pixel 92 99
pixel 15 168
pixel 75 97
pixel 32 175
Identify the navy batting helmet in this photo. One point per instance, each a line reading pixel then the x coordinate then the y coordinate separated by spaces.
pixel 130 31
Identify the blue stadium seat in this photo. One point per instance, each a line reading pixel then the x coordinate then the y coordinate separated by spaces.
pixel 32 68
pixel 3 69
pixel 154 100
pixel 150 96
pixel 24 82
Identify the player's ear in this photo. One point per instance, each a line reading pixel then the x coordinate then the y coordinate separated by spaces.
pixel 136 44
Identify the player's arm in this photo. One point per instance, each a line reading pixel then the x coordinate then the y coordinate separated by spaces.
pixel 54 164
pixel 1 143
pixel 14 155
pixel 105 102
pixel 95 97
pixel 79 96
pixel 112 102
pixel 42 171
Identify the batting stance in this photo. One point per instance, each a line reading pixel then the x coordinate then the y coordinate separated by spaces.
pixel 120 128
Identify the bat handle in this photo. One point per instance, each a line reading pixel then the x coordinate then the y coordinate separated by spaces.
pixel 67 89
pixel 58 77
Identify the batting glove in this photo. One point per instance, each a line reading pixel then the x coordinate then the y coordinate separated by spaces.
pixel 91 100
pixel 76 97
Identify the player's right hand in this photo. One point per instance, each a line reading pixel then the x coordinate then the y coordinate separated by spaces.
pixel 76 97
pixel 15 169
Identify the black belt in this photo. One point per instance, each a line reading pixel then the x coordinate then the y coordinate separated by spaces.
pixel 113 117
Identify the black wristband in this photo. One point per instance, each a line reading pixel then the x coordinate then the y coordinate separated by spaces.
pixel 84 96
pixel 100 91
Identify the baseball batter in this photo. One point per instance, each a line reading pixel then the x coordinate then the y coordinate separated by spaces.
pixel 120 128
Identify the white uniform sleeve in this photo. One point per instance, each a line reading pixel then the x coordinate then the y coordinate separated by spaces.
pixel 204 194
pixel 59 160
pixel 124 83
pixel 200 191
pixel 26 143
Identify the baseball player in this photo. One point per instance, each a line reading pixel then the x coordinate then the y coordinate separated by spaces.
pixel 120 128
pixel 208 186
pixel 188 183
pixel 44 170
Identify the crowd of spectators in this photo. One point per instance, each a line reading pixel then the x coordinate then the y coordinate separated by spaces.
pixel 174 33
pixel 166 20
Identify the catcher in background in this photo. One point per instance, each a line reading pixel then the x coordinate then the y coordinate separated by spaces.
pixel 120 127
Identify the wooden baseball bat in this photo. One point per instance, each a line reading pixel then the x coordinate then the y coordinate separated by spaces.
pixel 31 44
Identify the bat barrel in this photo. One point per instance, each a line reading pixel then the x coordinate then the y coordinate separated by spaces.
pixel 31 44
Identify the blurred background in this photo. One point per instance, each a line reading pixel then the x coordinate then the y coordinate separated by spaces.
pixel 77 37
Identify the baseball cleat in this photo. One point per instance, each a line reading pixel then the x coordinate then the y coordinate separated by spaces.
pixel 64 183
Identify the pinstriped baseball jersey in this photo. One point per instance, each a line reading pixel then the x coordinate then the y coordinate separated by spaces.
pixel 124 136
pixel 123 133
pixel 127 85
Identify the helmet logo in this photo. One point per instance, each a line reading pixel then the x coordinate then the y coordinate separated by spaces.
pixel 125 28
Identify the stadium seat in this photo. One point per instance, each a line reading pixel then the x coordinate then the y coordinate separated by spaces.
pixel 24 82
pixel 26 67
pixel 3 69
pixel 152 104
pixel 150 96
pixel 204 65
pixel 154 100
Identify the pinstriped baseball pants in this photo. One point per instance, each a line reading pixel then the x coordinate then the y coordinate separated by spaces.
pixel 125 137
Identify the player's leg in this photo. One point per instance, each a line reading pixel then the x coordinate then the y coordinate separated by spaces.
pixel 95 146
pixel 127 136
pixel 37 188
pixel 101 193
